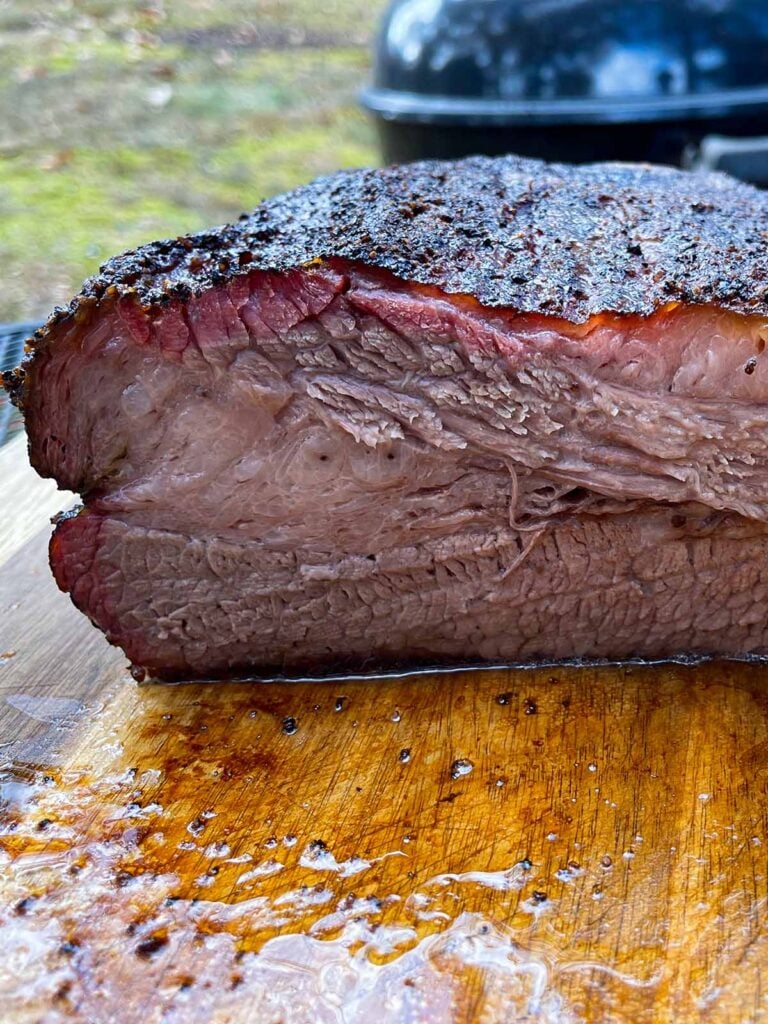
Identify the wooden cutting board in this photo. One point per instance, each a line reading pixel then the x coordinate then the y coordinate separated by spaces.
pixel 550 845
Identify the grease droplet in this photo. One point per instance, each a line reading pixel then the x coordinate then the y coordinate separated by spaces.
pixel 462 766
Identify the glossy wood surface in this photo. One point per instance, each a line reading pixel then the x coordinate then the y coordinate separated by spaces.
pixel 549 845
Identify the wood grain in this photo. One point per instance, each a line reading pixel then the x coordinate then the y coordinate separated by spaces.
pixel 553 845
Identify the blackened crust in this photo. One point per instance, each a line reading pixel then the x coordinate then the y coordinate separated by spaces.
pixel 569 241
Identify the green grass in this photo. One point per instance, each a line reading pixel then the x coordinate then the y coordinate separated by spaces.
pixel 127 122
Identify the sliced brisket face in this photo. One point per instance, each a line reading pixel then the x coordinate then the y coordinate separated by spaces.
pixel 448 413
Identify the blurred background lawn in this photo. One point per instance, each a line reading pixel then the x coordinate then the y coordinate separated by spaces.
pixel 124 122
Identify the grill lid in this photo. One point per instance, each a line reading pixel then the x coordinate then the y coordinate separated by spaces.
pixel 570 61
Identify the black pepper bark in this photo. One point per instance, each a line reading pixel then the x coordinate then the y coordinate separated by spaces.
pixel 567 241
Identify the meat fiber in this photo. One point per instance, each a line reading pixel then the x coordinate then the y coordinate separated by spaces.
pixel 490 411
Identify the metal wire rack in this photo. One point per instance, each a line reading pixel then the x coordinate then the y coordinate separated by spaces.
pixel 12 338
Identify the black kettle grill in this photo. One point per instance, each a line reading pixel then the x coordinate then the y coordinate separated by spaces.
pixel 680 82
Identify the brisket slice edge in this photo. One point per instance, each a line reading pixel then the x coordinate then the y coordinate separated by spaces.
pixel 494 410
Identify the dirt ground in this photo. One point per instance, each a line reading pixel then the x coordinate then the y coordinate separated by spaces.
pixel 124 122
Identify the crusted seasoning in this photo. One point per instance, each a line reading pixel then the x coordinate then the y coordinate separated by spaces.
pixel 567 241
